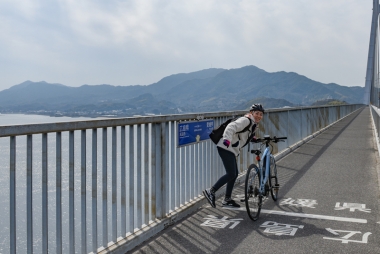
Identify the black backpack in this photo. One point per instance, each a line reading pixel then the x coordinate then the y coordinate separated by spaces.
pixel 217 133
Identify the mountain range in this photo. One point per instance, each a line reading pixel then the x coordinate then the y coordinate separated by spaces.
pixel 202 91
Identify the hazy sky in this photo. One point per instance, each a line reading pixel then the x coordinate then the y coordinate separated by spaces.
pixel 129 42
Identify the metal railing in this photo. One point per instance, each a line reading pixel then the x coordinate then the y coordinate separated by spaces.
pixel 96 184
pixel 375 114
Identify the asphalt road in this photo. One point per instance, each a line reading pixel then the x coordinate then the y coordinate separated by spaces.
pixel 328 203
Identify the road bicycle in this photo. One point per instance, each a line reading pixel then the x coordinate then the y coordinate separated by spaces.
pixel 261 178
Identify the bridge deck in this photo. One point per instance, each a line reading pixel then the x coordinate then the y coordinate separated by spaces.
pixel 328 202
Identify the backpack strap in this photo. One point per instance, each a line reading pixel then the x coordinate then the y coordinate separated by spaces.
pixel 246 128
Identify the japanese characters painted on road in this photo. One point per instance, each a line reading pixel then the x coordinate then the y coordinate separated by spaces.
pixel 348 236
pixel 299 202
pixel 275 228
pixel 214 222
pixel 352 207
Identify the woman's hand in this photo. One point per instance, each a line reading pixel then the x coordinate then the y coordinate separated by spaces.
pixel 226 142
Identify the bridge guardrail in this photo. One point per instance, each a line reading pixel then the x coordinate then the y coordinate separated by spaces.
pixel 119 181
pixel 375 114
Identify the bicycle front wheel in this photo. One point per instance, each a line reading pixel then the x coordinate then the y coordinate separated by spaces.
pixel 273 180
pixel 253 198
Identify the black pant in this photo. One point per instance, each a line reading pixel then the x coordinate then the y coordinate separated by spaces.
pixel 229 162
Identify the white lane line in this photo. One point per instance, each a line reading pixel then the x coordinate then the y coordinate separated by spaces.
pixel 304 215
pixel 332 231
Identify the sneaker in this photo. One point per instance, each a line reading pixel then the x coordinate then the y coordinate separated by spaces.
pixel 210 197
pixel 230 203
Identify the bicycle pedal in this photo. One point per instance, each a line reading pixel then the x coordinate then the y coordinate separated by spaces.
pixel 276 186
pixel 242 200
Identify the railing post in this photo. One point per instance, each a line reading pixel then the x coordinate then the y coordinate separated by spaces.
pixel 94 192
pixel 58 152
pixel 104 187
pixel 182 175
pixel 164 168
pixel 29 194
pixel 172 165
pixel 44 194
pixel 131 171
pixel 138 194
pixel 83 193
pixel 196 168
pixel 153 172
pixel 123 185
pixel 287 130
pixel 114 186
pixel 177 171
pixel 158 150
pixel 187 174
pixel 12 195
pixel 71 194
pixel 146 175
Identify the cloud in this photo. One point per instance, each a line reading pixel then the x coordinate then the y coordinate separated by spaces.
pixel 27 9
pixel 112 22
pixel 141 41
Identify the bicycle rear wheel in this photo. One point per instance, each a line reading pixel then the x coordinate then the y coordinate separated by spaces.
pixel 273 180
pixel 253 198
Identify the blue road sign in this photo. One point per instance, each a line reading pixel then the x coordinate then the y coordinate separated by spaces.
pixel 194 132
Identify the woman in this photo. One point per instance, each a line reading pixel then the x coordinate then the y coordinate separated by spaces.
pixel 229 147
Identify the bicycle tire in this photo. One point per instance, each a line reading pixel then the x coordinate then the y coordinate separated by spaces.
pixel 273 180
pixel 253 198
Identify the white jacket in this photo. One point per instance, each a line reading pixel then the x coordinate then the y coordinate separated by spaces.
pixel 237 139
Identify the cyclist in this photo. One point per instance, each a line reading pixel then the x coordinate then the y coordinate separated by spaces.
pixel 229 147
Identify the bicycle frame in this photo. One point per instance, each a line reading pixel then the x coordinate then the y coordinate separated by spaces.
pixel 263 179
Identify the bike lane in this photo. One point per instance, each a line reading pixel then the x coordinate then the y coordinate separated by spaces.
pixel 328 203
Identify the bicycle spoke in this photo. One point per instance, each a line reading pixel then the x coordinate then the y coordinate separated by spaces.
pixel 253 198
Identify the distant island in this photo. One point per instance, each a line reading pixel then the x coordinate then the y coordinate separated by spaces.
pixel 208 90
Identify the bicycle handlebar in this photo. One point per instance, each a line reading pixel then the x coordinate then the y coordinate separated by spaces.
pixel 267 139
